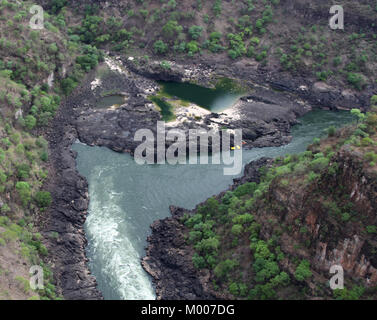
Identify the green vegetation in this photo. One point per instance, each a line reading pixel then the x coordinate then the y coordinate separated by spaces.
pixel 349 294
pixel 226 232
pixel 214 250
pixel 28 102
pixel 43 199
pixel 251 30
pixel 303 271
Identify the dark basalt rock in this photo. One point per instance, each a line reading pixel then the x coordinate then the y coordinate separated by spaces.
pixel 252 171
pixel 68 212
pixel 169 263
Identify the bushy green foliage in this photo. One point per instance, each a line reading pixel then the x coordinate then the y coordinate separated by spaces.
pixel 371 229
pixel 192 48
pixel 68 85
pixel 303 271
pixel 90 58
pixel 356 80
pixel 24 192
pixel 319 164
pixel 373 100
pixel 57 5
pixel 349 294
pixel 30 122
pixel 198 261
pixel 357 113
pixel 43 199
pixel 195 32
pixel 214 42
pixel 207 246
pixel 331 131
pixel 237 46
pixel 224 267
pixel 171 29
pixel 245 189
pixel 160 47
pixel 237 229
pixel 23 171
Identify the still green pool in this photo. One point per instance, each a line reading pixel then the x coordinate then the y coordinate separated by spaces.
pixel 216 99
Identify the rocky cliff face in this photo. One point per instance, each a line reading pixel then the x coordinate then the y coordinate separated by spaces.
pixel 169 262
pixel 353 250
pixel 323 222
pixel 67 215
pixel 332 241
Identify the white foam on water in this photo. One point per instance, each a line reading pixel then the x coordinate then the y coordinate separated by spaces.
pixel 120 260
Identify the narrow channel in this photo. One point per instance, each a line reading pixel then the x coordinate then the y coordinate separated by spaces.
pixel 125 198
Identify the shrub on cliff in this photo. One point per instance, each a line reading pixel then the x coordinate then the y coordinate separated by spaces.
pixel 57 5
pixel 24 191
pixel 236 45
pixel 356 80
pixel 349 294
pixel 373 100
pixel 195 32
pixel 198 261
pixel 319 164
pixel 303 271
pixel 234 289
pixel 160 47
pixel 208 246
pixel 331 131
pixel 245 189
pixel 371 121
pixel 370 157
pixel 171 28
pixel 90 58
pixel 30 122
pixel 214 42
pixel 365 142
pixel 224 267
pixel 358 114
pixel 67 85
pixel 237 229
pixel 23 171
pixel 43 199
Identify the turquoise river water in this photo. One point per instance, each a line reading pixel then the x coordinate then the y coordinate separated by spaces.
pixel 125 198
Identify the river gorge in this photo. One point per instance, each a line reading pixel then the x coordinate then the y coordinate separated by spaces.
pixel 284 104
pixel 126 198
pixel 104 203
